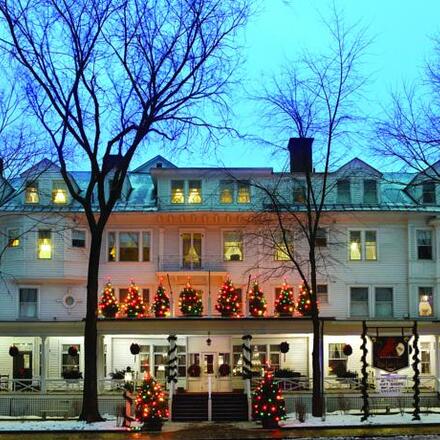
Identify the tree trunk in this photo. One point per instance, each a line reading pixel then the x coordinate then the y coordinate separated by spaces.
pixel 90 411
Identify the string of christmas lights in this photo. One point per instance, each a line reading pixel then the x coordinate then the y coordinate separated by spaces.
pixel 190 302
pixel 257 302
pixel 285 303
pixel 161 303
pixel 228 304
pixel 108 304
pixel 133 304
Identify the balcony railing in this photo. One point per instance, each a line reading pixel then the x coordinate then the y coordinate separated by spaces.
pixel 174 263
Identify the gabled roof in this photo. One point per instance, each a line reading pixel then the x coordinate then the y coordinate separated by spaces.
pixel 153 163
pixel 41 167
pixel 425 174
pixel 357 164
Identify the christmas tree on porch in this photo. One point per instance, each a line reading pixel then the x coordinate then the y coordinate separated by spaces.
pixel 228 302
pixel 190 302
pixel 108 305
pixel 161 304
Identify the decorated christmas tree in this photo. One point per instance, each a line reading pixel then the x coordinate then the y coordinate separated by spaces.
pixel 257 302
pixel 108 304
pixel 150 405
pixel 190 302
pixel 284 302
pixel 161 304
pixel 133 304
pixel 228 302
pixel 268 403
pixel 304 304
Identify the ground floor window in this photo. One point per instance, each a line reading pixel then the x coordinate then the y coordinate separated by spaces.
pixel 337 360
pixel 144 358
pixel 70 361
pixel 160 361
pixel 237 360
pixel 275 357
pixel 425 357
pixel 181 361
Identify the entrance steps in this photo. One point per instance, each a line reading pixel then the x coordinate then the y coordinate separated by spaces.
pixel 226 407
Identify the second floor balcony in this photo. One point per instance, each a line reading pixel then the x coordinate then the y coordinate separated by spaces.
pixel 191 262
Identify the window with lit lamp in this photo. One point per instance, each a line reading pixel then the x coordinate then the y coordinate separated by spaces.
pixel 59 193
pixel 177 191
pixel 195 191
pixel 31 194
pixel 44 244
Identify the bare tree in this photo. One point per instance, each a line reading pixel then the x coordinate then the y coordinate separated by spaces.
pixel 105 76
pixel 315 97
pixel 409 131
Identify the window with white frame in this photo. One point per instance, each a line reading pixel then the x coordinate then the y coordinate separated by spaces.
pixel 299 192
pixel 426 302
pixel 226 191
pixel 31 193
pixel 144 359
pixel 194 191
pixel 181 361
pixel 44 244
pixel 14 238
pixel 283 246
pixel 178 191
pixel 275 356
pixel 321 237
pixel 78 238
pixel 370 191
pixel 322 293
pixel 243 192
pixel 383 302
pixel 337 360
pixel 232 246
pixel 59 192
pixel 28 303
pixel 129 246
pixel 425 357
pixel 69 362
pixel 160 356
pixel 362 245
pixel 424 244
pixel 359 302
pixel 343 191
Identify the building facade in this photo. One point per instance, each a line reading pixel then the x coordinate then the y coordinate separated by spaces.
pixel 380 249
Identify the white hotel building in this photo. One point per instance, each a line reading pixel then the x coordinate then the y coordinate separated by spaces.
pixel 381 231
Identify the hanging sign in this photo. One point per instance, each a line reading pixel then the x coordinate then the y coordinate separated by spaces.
pixel 390 353
pixel 391 384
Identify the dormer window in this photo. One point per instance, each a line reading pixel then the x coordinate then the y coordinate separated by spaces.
pixel 31 194
pixel 370 191
pixel 195 191
pixel 428 193
pixel 343 191
pixel 244 192
pixel 227 191
pixel 177 191
pixel 59 193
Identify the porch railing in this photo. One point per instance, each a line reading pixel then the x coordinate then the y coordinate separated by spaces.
pixel 199 263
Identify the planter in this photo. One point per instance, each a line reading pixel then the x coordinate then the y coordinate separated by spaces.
pixel 152 426
pixel 269 424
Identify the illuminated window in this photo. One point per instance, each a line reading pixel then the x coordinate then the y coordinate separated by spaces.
pixel 70 363
pixel 195 191
pixel 226 191
pixel 424 244
pixel 13 238
pixel 232 246
pixel 177 191
pixel 111 246
pixel 370 246
pixel 428 193
pixel 425 357
pixel 59 193
pixel 123 294
pixel 337 360
pixel 343 192
pixel 283 246
pixel 44 244
pixel 244 192
pixel 31 193
pixel 355 250
pixel 144 358
pixel 370 191
pixel 425 302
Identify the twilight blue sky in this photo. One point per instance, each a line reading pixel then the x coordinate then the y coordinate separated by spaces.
pixel 401 30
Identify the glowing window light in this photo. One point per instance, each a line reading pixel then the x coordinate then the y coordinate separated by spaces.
pixel 44 245
pixel 59 196
pixel 31 194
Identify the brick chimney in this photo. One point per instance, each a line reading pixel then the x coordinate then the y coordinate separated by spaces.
pixel 300 150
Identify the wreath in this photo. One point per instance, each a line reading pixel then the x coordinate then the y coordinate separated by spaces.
pixel 13 351
pixel 135 349
pixel 284 347
pixel 73 351
pixel 347 350
pixel 194 370
pixel 224 370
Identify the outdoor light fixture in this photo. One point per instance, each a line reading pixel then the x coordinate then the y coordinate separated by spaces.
pixel 209 341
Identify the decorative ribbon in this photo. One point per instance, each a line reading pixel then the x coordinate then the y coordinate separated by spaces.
pixel 172 359
pixel 247 357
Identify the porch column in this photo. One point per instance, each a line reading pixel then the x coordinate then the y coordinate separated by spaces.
pixel 247 370
pixel 100 363
pixel 43 365
pixel 437 362
pixel 172 371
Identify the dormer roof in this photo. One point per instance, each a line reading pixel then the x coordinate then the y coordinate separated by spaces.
pixel 156 162
pixel 356 165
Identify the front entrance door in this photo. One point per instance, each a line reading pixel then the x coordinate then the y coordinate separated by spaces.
pixel 191 250
pixel 209 361
pixel 22 368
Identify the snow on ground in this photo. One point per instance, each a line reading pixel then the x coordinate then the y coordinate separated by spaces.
pixel 332 420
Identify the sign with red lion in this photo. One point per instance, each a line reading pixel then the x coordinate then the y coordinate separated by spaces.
pixel 390 353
